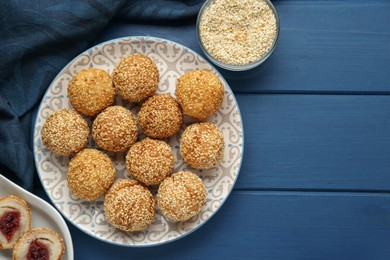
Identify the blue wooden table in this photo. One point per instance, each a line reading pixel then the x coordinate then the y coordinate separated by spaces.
pixel 315 178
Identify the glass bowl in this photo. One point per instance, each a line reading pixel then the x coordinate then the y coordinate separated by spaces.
pixel 233 67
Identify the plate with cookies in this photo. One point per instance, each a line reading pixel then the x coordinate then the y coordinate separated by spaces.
pixel 30 228
pixel 138 141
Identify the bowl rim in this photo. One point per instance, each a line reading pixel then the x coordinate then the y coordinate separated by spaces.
pixel 232 67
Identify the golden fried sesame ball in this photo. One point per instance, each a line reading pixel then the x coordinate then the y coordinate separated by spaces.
pixel 15 219
pixel 181 196
pixel 129 206
pixel 65 132
pixel 91 91
pixel 200 93
pixel 115 129
pixel 39 243
pixel 150 161
pixel 90 174
pixel 160 116
pixel 202 145
pixel 136 78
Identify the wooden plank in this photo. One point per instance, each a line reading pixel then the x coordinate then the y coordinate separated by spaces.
pixel 274 225
pixel 325 142
pixel 324 46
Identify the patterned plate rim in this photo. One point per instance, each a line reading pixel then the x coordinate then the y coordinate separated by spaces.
pixel 145 38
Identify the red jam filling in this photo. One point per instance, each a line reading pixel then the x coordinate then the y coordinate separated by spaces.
pixel 37 251
pixel 9 223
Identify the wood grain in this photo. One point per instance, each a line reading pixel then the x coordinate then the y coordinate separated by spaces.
pixel 330 142
pixel 314 183
pixel 324 46
pixel 275 225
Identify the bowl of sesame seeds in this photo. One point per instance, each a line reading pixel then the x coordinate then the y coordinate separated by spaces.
pixel 237 35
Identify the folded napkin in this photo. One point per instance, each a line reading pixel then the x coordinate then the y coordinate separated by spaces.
pixel 37 39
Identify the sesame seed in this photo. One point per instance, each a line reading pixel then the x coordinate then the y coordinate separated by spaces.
pixel 150 161
pixel 136 78
pixel 115 129
pixel 16 206
pixel 48 238
pixel 238 32
pixel 160 116
pixel 65 132
pixel 202 145
pixel 129 206
pixel 91 91
pixel 181 196
pixel 90 174
pixel 200 93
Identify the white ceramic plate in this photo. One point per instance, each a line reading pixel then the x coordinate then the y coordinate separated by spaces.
pixel 172 60
pixel 42 215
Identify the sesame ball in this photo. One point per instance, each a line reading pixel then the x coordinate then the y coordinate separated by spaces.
pixel 202 145
pixel 150 161
pixel 90 174
pixel 181 196
pixel 199 93
pixel 160 116
pixel 65 132
pixel 15 218
pixel 136 78
pixel 91 91
pixel 115 129
pixel 129 206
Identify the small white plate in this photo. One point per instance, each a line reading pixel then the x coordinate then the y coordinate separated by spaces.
pixel 42 214
pixel 173 60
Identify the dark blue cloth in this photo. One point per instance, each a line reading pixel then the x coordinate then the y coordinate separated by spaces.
pixel 37 39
